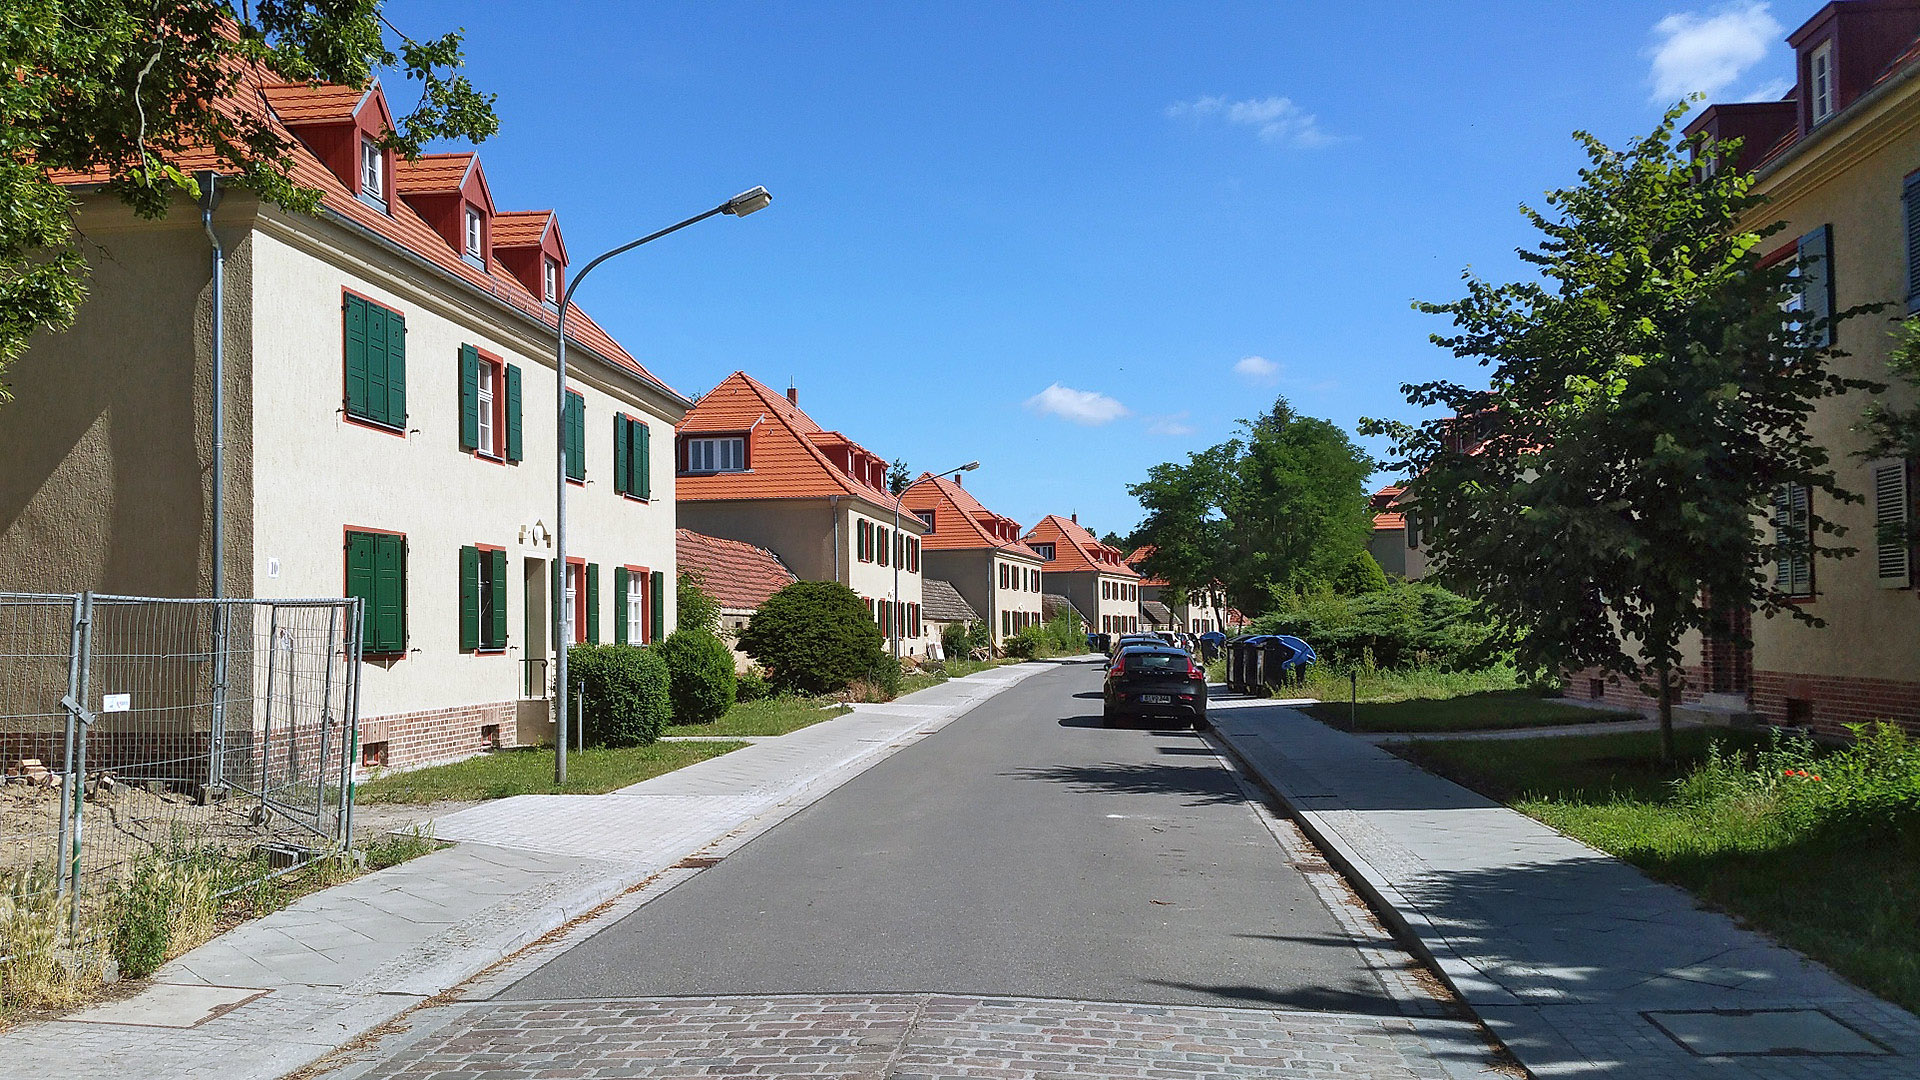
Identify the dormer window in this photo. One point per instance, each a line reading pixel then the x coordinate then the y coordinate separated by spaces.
pixel 476 237
pixel 1820 81
pixel 373 171
pixel 1045 551
pixel 717 455
pixel 550 281
pixel 926 518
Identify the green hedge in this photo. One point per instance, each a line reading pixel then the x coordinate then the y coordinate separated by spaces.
pixel 813 637
pixel 700 678
pixel 627 699
pixel 1406 624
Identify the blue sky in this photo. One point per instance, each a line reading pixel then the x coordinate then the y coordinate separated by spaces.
pixel 1070 241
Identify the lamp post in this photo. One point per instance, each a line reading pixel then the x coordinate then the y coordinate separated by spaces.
pixel 897 555
pixel 739 206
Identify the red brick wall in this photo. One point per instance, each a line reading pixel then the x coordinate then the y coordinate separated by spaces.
pixel 1831 701
pixel 438 735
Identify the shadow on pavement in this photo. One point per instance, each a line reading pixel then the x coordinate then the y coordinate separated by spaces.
pixel 1206 784
pixel 1362 999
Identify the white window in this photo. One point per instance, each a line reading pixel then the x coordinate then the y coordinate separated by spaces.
pixel 717 455
pixel 552 281
pixel 1820 80
pixel 488 373
pixel 571 598
pixel 1045 551
pixel 475 233
pixel 373 170
pixel 636 611
pixel 926 518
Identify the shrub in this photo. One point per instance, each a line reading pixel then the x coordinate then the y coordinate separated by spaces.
pixel 1405 624
pixel 751 686
pixel 627 700
pixel 1361 574
pixel 956 640
pixel 699 675
pixel 166 906
pixel 1024 644
pixel 695 608
pixel 813 637
pixel 979 636
pixel 881 682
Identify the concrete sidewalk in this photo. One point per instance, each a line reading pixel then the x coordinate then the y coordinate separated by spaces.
pixel 1578 962
pixel 280 992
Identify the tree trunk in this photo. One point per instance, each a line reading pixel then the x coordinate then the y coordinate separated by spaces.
pixel 1666 715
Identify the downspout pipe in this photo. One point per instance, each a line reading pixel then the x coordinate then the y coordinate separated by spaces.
pixel 209 199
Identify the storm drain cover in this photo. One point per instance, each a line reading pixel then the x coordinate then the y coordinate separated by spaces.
pixel 1726 1032
pixel 171 1005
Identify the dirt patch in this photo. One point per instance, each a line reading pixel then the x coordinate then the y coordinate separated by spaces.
pixel 374 819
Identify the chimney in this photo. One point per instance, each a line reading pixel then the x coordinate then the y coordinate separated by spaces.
pixel 793 395
pixel 1075 516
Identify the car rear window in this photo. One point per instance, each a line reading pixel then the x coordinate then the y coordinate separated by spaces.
pixel 1156 661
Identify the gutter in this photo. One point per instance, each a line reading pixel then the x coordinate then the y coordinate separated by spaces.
pixel 1835 122
pixel 646 380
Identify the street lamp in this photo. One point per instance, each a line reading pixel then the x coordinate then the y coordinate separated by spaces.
pixel 897 609
pixel 739 206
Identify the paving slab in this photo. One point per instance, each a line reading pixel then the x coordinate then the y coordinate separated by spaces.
pixel 1561 949
pixel 278 993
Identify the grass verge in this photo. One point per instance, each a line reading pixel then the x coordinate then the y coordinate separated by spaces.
pixel 768 716
pixel 529 771
pixel 1488 710
pixel 1828 864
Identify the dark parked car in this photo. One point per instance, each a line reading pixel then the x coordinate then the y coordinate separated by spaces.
pixel 1145 681
pixel 1131 640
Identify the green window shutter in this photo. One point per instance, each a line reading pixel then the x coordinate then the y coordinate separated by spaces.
pixel 620 606
pixel 360 584
pixel 643 465
pixel 657 607
pixel 1816 278
pixel 497 633
pixel 354 315
pixel 1893 541
pixel 621 440
pixel 513 413
pixel 469 398
pixel 1911 197
pixel 593 603
pixel 396 370
pixel 389 594
pixel 576 437
pixel 469 599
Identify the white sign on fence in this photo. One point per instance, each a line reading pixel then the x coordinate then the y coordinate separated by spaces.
pixel 116 703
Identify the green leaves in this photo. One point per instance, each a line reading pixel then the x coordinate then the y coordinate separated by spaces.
pixel 127 88
pixel 1607 489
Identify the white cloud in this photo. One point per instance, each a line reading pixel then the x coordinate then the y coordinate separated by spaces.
pixel 1771 90
pixel 1696 53
pixel 1276 119
pixel 1257 368
pixel 1079 406
pixel 1172 425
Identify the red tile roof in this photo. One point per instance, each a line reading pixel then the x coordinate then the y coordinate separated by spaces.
pixel 1385 518
pixel 432 172
pixel 401 227
pixel 960 523
pixel 1138 556
pixel 787 453
pixel 520 228
pixel 1076 549
pixel 738 575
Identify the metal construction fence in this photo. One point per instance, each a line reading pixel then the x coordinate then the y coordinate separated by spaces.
pixel 137 730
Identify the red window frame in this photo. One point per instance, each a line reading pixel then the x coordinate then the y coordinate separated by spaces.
pixel 579 598
pixel 645 578
pixel 497 455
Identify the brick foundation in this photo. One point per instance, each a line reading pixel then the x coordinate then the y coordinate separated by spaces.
pixel 437 736
pixel 1824 703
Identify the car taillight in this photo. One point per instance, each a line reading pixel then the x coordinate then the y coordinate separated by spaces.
pixel 1194 671
pixel 1118 669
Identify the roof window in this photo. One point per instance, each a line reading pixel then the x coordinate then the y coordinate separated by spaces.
pixel 1820 81
pixel 550 280
pixel 373 172
pixel 476 232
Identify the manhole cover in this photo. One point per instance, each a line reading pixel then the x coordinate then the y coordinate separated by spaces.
pixel 1727 1032
pixel 170 1005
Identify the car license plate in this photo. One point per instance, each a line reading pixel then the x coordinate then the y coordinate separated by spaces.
pixel 1156 699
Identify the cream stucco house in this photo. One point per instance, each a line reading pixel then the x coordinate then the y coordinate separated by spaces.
pixel 979 553
pixel 391 412
pixel 754 468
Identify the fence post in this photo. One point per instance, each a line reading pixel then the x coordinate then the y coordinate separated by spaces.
pixel 326 719
pixel 580 715
pixel 266 702
pixel 73 735
pixel 355 643
pixel 76 779
pixel 1353 706
pixel 217 742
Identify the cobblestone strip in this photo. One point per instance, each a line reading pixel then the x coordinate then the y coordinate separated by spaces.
pixel 917 1037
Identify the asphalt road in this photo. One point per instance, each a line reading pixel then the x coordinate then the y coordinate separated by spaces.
pixel 1024 850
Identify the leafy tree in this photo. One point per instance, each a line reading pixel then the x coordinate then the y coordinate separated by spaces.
pixel 1362 574
pixel 697 609
pixel 125 88
pixel 1894 432
pixel 1650 393
pixel 813 637
pixel 1283 506
pixel 898 476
